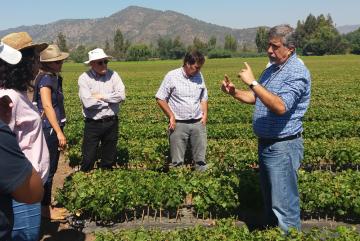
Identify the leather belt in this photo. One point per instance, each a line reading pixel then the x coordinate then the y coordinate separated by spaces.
pixel 189 121
pixel 105 119
pixel 273 140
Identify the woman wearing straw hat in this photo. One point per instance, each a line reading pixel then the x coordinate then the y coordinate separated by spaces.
pixel 25 122
pixel 49 99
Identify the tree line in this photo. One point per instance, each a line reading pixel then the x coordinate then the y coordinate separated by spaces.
pixel 317 36
pixel 314 36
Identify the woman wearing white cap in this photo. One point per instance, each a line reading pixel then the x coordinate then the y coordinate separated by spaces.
pixel 49 98
pixel 25 122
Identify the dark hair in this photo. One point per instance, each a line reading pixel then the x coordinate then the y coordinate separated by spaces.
pixel 194 57
pixel 286 33
pixel 45 67
pixel 19 76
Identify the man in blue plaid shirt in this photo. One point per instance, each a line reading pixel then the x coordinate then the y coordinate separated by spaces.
pixel 281 98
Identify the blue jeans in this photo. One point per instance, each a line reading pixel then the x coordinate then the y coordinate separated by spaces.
pixel 27 219
pixel 279 162
pixel 52 144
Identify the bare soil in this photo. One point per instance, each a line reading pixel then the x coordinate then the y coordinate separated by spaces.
pixel 61 231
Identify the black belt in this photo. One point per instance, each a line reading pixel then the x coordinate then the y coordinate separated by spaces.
pixel 273 140
pixel 189 121
pixel 105 119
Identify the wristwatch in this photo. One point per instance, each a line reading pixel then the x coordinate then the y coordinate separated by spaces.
pixel 253 84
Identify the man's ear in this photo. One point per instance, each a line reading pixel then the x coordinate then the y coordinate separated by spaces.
pixel 291 50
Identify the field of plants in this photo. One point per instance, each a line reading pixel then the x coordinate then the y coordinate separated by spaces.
pixel 329 180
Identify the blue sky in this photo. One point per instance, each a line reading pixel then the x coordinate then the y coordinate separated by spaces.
pixel 230 13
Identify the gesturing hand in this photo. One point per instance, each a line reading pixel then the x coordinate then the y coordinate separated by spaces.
pixel 227 86
pixel 246 74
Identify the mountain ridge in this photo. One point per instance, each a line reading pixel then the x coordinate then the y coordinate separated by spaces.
pixel 139 25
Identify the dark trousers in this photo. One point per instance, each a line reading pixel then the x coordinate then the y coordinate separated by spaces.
pixel 52 144
pixel 102 134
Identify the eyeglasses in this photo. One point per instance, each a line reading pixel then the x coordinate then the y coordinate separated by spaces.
pixel 102 62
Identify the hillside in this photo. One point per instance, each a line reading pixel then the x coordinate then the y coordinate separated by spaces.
pixel 138 24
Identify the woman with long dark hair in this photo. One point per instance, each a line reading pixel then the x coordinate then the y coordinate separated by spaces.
pixel 25 122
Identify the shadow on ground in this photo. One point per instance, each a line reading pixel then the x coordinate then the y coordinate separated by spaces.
pixel 55 231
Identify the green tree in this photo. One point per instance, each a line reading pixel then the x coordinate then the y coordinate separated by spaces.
pixel 211 43
pixel 310 24
pixel 354 41
pixel 61 42
pixel 261 39
pixel 119 44
pixel 170 49
pixel 177 50
pixel 318 36
pixel 79 55
pixel 199 45
pixel 230 43
pixel 138 52
pixel 107 47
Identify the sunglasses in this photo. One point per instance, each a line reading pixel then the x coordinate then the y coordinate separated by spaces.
pixel 59 62
pixel 102 62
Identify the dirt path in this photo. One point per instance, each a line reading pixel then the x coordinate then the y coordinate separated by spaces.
pixel 60 231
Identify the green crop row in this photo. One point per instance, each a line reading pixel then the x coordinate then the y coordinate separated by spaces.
pixel 106 195
pixel 227 230
pixel 232 154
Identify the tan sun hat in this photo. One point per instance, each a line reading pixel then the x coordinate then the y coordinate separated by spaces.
pixel 52 53
pixel 21 41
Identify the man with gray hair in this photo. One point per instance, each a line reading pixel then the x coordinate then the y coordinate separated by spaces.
pixel 281 97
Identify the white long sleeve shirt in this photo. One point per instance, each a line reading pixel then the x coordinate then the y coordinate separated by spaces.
pixel 110 86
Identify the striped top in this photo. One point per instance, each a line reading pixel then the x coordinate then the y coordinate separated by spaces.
pixel 183 94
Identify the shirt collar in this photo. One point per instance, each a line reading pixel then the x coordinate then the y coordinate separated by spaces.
pixel 96 74
pixel 288 60
pixel 184 73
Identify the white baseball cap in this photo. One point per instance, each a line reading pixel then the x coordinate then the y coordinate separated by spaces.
pixel 9 55
pixel 96 54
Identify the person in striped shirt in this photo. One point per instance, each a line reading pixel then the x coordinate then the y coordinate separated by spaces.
pixel 183 98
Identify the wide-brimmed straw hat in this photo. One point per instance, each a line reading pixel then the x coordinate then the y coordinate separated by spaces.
pixel 96 54
pixel 52 53
pixel 9 55
pixel 21 41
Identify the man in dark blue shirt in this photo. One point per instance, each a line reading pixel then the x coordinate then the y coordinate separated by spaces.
pixel 281 98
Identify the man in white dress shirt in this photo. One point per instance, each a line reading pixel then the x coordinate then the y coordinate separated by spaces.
pixel 101 91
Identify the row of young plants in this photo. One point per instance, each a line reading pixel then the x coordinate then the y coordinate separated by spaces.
pixel 106 195
pixel 331 126
pixel 228 230
pixel 236 154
